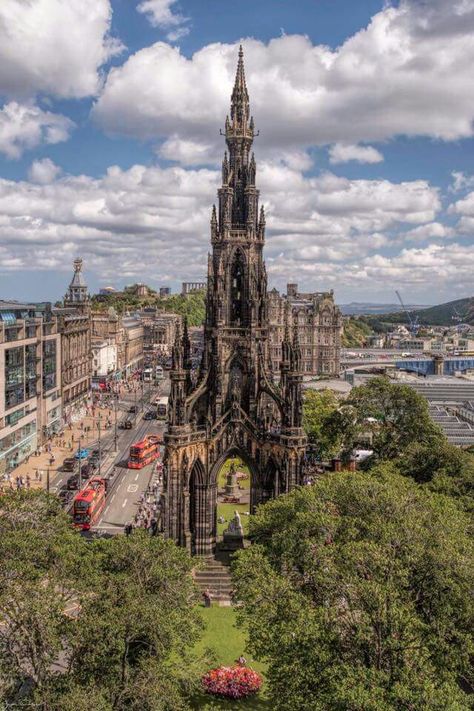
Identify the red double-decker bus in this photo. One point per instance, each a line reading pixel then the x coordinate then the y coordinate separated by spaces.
pixel 89 503
pixel 144 452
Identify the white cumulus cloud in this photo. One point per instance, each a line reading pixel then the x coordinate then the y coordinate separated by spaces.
pixel 54 46
pixel 408 72
pixel 160 13
pixel 319 229
pixel 43 171
pixel 26 126
pixel 344 152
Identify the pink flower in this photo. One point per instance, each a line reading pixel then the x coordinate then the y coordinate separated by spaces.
pixel 232 682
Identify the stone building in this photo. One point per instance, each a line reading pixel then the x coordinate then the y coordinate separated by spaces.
pixel 158 330
pixel 125 333
pixel 319 324
pixel 188 287
pixel 232 407
pixel 30 380
pixel 74 321
pixel 133 346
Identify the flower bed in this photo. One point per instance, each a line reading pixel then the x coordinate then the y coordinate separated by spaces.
pixel 232 682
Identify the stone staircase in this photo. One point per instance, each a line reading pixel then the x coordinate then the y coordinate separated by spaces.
pixel 214 575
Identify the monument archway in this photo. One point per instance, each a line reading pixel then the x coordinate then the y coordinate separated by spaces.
pixel 232 405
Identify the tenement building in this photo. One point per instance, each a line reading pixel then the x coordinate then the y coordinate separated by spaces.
pixel 74 321
pixel 319 324
pixel 30 380
pixel 126 334
pixel 233 407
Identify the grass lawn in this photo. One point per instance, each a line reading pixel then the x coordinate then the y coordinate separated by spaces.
pixel 227 510
pixel 227 643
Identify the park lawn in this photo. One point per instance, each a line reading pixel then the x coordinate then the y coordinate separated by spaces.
pixel 227 641
pixel 227 511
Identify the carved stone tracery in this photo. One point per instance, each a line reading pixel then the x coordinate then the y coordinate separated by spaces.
pixel 235 408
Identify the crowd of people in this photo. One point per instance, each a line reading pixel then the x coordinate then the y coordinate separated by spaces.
pixel 148 512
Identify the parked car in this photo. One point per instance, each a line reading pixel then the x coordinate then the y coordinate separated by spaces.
pixel 150 415
pixel 133 409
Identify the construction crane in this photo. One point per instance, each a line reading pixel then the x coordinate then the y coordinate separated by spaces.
pixel 412 320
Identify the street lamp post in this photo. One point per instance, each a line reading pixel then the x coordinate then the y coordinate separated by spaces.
pixel 115 422
pixel 79 451
pixel 100 451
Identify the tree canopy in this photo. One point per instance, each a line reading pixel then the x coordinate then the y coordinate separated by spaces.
pixel 357 594
pixel 396 415
pixel 117 615
pixel 328 422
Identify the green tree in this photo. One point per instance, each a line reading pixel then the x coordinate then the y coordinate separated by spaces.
pixel 329 423
pixel 112 621
pixel 401 417
pixel 357 594
pixel 442 466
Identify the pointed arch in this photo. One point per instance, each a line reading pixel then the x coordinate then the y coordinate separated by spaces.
pixel 237 304
pixel 198 506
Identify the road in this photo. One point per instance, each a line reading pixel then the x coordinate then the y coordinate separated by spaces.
pixel 125 488
pixel 126 485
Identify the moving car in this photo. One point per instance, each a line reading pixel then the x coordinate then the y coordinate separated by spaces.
pixel 69 464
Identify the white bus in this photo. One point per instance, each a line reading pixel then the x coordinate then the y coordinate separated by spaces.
pixel 147 375
pixel 162 408
pixel 158 373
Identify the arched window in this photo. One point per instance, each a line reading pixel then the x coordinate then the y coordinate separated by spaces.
pixel 237 310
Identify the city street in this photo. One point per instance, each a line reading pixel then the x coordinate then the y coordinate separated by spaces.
pixel 127 485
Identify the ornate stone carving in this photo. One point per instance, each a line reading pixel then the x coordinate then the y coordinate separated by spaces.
pixel 219 417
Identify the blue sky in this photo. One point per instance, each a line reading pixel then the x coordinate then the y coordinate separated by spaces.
pixel 109 141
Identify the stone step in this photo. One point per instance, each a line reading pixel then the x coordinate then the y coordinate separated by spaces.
pixel 214 583
pixel 217 570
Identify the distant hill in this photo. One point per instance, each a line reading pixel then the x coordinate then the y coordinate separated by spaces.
pixel 356 308
pixel 449 314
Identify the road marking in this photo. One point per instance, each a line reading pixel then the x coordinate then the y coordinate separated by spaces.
pixel 106 510
pixel 132 488
pixel 124 503
pixel 113 497
pixel 136 476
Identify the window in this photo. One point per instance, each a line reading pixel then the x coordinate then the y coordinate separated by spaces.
pixel 49 365
pixel 14 417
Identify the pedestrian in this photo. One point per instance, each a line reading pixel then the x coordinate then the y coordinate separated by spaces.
pixel 28 481
pixel 207 597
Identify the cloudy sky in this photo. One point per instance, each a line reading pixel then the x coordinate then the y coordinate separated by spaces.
pixel 110 113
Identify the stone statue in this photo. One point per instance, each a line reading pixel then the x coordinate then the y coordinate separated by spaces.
pixel 235 525
pixel 234 534
pixel 231 485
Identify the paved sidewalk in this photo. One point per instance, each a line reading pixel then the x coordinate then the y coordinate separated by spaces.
pixel 33 471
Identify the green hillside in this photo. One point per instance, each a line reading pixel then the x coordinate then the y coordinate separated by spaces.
pixel 193 305
pixel 440 315
pixel 355 333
